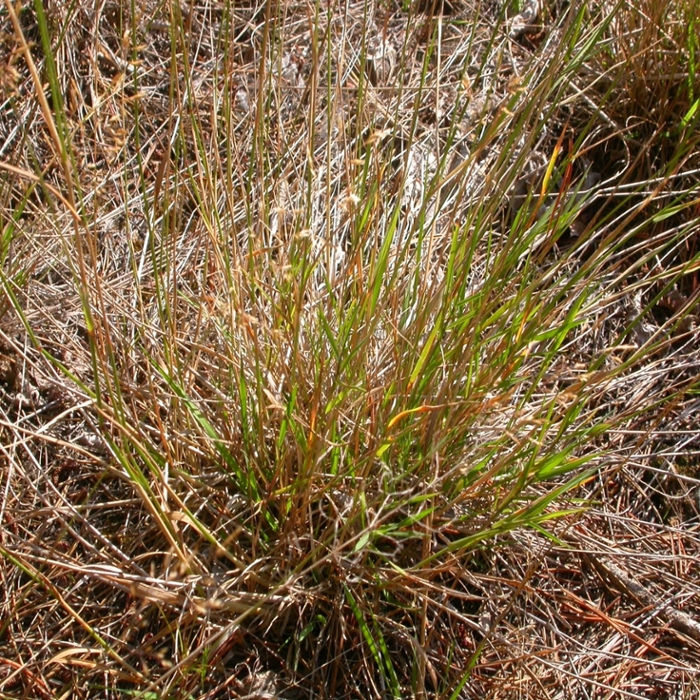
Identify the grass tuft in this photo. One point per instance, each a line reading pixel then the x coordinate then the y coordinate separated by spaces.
pixel 349 351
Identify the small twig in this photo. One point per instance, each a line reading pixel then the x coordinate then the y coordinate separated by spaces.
pixel 623 582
